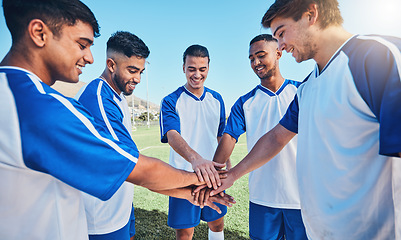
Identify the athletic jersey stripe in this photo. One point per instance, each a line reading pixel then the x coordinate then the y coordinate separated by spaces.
pixel 92 129
pixel 37 83
pixel 83 119
pixel 103 112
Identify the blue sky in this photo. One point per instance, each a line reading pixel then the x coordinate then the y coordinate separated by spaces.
pixel 225 27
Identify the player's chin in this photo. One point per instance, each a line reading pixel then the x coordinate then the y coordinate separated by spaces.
pixel 128 92
pixel 69 79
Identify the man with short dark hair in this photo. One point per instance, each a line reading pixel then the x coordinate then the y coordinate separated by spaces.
pixel 105 98
pixel 346 114
pixel 274 207
pixel 192 120
pixel 51 148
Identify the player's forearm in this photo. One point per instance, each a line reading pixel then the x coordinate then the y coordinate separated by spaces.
pixel 155 174
pixel 183 193
pixel 224 149
pixel 268 146
pixel 181 147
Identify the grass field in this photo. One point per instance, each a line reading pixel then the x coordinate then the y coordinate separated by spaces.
pixel 151 208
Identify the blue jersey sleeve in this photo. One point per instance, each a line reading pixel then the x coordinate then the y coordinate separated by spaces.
pixel 106 111
pixel 169 118
pixel 59 137
pixel 290 119
pixel 376 67
pixel 236 121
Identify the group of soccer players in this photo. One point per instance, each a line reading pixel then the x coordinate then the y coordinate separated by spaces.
pixel 65 162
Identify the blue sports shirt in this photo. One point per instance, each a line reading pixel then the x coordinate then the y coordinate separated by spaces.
pixel 110 110
pixel 58 151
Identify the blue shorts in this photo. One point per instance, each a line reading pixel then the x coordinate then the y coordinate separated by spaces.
pixel 275 223
pixel 183 214
pixel 124 233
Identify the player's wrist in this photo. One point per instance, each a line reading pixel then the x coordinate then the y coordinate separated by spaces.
pixel 195 180
pixel 234 173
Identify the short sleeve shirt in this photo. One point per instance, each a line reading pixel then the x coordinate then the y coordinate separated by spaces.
pixel 110 110
pixel 347 119
pixel 58 151
pixel 199 121
pixel 275 183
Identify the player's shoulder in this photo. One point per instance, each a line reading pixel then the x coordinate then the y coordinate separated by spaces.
pixel 360 47
pixel 173 97
pixel 213 93
pixel 19 76
pixel 372 41
pixel 91 87
pixel 249 94
pixel 13 71
pixel 371 55
pixel 289 82
pixel 99 86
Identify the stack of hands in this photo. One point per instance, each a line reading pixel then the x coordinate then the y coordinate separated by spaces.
pixel 211 176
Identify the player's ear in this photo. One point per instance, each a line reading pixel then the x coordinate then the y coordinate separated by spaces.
pixel 279 54
pixel 183 68
pixel 312 13
pixel 38 32
pixel 111 64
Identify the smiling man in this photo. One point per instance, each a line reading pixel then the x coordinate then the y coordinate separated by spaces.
pixel 192 120
pixel 346 115
pixel 51 147
pixel 274 207
pixel 105 98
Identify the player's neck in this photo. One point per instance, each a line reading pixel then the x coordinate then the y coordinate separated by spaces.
pixel 198 92
pixel 273 83
pixel 107 77
pixel 330 40
pixel 27 60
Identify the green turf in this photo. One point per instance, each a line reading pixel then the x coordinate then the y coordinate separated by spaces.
pixel 151 208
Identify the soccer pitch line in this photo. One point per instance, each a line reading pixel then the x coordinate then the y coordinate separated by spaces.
pixel 146 148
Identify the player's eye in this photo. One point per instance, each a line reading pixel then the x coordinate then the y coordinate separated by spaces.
pixel 81 46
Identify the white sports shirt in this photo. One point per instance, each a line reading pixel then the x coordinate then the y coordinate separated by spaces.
pixel 110 110
pixel 199 121
pixel 348 123
pixel 275 183
pixel 51 150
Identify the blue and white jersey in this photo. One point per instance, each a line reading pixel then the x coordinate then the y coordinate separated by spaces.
pixel 50 150
pixel 109 110
pixel 348 123
pixel 275 183
pixel 199 121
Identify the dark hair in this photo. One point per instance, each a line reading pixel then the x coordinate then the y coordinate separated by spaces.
pixel 54 13
pixel 264 37
pixel 128 44
pixel 196 51
pixel 329 13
